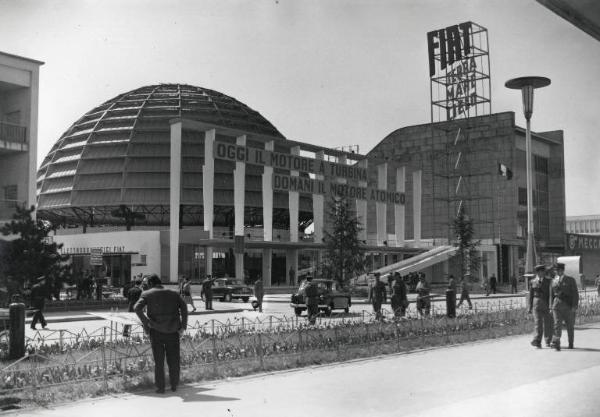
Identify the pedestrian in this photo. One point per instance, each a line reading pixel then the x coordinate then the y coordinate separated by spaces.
pixel 565 299
pixel 186 292
pixel 513 284
pixel 493 283
pixel 598 284
pixel 292 275
pixel 485 286
pixel 465 288
pixel 423 296
pixel 539 303
pixel 259 293
pixel 206 292
pixel 164 321
pixel 311 293
pixel 378 296
pixel 452 283
pixel 39 292
pixel 399 298
pixel 133 295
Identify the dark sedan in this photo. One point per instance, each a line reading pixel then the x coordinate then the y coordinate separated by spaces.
pixel 228 289
pixel 331 297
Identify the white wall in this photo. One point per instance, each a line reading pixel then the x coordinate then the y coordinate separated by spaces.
pixel 142 242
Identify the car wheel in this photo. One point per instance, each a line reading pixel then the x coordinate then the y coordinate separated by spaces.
pixel 227 298
pixel 298 311
pixel 245 299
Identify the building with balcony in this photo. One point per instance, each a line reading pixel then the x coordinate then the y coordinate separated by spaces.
pixel 19 90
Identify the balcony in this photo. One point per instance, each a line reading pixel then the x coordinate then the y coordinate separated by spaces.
pixel 13 137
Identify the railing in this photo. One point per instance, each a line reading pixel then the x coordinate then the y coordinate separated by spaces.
pixel 13 133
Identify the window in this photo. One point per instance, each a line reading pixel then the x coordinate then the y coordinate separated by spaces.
pixel 10 192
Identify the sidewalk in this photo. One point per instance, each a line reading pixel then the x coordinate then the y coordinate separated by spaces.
pixel 497 378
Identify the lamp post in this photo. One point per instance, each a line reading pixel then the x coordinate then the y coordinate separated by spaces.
pixel 527 85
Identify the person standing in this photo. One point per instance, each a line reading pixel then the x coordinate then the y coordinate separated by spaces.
pixel 259 293
pixel 513 284
pixel 539 303
pixel 423 296
pixel 206 291
pixel 39 292
pixel 378 296
pixel 133 295
pixel 311 293
pixel 165 321
pixel 186 292
pixel 465 287
pixel 493 284
pixel 399 298
pixel 565 299
pixel 292 275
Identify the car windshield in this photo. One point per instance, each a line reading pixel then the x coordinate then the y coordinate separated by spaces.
pixel 233 282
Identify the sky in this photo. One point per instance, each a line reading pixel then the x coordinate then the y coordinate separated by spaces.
pixel 327 72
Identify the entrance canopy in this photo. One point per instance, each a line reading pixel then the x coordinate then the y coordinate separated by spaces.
pixel 419 262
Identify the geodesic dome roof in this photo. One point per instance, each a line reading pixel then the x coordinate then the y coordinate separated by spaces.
pixel 114 160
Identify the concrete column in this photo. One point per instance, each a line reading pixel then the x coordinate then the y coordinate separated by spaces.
pixel 209 260
pixel 381 208
pixel 399 209
pixel 417 195
pixel 175 200
pixel 239 192
pixel 361 206
pixel 294 202
pixel 208 181
pixel 319 206
pixel 33 137
pixel 291 261
pixel 267 197
pixel 267 263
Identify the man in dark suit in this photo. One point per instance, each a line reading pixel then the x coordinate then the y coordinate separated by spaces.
pixel 565 299
pixel 133 295
pixel 39 292
pixel 206 291
pixel 165 320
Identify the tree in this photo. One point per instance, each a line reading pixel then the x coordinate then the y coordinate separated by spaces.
pixel 345 257
pixel 32 253
pixel 467 247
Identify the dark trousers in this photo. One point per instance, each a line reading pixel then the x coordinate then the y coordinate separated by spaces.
pixel 259 300
pixel 208 302
pixel 38 317
pixel 165 344
pixel 562 312
pixel 312 311
pixel 544 325
pixel 377 309
pixel 464 295
pixel 423 305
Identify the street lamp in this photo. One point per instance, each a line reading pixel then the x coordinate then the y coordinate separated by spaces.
pixel 527 85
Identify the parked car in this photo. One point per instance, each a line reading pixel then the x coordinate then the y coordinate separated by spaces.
pixel 227 289
pixel 331 297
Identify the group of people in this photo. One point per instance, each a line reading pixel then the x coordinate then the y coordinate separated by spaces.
pixel 399 295
pixel 553 300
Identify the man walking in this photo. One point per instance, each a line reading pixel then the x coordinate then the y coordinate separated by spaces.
pixel 565 298
pixel 39 292
pixel 465 287
pixel 513 284
pixel 399 298
pixel 206 291
pixel 539 303
pixel 493 284
pixel 133 295
pixel 378 296
pixel 259 293
pixel 311 293
pixel 423 296
pixel 165 320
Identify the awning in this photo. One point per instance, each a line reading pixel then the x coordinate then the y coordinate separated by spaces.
pixel 420 261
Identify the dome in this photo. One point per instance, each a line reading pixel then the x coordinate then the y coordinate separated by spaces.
pixel 113 163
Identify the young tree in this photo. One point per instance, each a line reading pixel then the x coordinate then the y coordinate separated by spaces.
pixel 32 254
pixel 467 247
pixel 345 256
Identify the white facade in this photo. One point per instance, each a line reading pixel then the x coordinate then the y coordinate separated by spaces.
pixel 584 224
pixel 19 90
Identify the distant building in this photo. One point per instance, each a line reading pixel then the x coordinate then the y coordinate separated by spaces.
pixel 19 90
pixel 586 225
